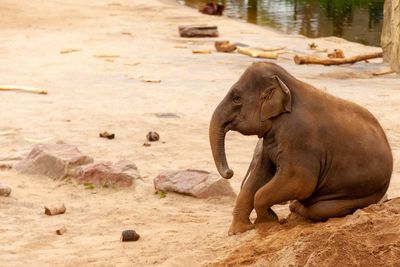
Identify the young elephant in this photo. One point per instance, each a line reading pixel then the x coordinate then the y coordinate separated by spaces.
pixel 329 155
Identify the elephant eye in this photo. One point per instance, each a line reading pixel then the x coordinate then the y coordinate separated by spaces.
pixel 236 99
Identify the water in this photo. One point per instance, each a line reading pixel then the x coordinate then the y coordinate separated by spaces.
pixel 354 20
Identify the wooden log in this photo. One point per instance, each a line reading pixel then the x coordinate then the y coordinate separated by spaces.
pixel 54 210
pixel 299 60
pixel 198 31
pixel 256 53
pixel 62 230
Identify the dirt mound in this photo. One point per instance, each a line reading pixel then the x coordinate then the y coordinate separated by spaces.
pixel 369 237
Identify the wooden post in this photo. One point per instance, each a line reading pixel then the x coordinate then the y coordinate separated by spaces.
pixel 390 39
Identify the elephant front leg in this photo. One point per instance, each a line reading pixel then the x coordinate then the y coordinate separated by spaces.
pixel 286 185
pixel 259 173
pixel 243 207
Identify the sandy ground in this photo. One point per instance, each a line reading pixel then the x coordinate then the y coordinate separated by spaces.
pixel 88 94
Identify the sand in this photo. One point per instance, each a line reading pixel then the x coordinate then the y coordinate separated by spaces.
pixel 90 93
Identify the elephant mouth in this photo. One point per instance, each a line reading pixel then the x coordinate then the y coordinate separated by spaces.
pixel 228 126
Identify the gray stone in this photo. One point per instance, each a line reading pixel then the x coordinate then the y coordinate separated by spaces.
pixel 121 173
pixel 197 183
pixel 53 160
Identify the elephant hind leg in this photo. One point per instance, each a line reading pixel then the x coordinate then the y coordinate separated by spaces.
pixel 323 210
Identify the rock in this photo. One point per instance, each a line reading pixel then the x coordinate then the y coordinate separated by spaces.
pixel 5 191
pixel 6 165
pixel 121 173
pixel 212 9
pixel 129 235
pixel 53 160
pixel 8 162
pixel 152 136
pixel 107 135
pixel 55 209
pixel 197 183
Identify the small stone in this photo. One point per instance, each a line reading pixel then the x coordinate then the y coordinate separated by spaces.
pixel 107 135
pixel 146 144
pixel 5 191
pixel 152 136
pixel 129 235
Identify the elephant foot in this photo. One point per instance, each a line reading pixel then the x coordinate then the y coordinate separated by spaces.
pixel 238 227
pixel 297 207
pixel 269 216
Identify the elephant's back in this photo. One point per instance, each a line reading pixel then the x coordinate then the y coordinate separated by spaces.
pixel 359 155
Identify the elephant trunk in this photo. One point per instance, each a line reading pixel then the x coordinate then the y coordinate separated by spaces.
pixel 217 142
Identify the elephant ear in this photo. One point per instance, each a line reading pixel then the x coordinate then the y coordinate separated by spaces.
pixel 275 100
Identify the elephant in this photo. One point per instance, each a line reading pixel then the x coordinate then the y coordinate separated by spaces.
pixel 326 155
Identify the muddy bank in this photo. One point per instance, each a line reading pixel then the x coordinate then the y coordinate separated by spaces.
pixel 369 237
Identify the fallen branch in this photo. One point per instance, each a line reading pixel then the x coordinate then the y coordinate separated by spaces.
pixel 69 50
pixel 256 53
pixel 7 132
pixel 384 72
pixel 299 60
pixel 38 140
pixel 24 89
pixel 201 51
pixel 271 49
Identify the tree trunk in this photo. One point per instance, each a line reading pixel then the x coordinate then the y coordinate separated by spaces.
pixel 390 39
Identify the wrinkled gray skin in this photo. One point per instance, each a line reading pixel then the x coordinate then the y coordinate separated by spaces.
pixel 328 155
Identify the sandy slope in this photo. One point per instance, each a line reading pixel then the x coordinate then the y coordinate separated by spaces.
pixel 88 94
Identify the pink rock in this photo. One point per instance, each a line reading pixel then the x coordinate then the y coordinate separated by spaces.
pixel 121 173
pixel 53 160
pixel 197 183
pixel 8 162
